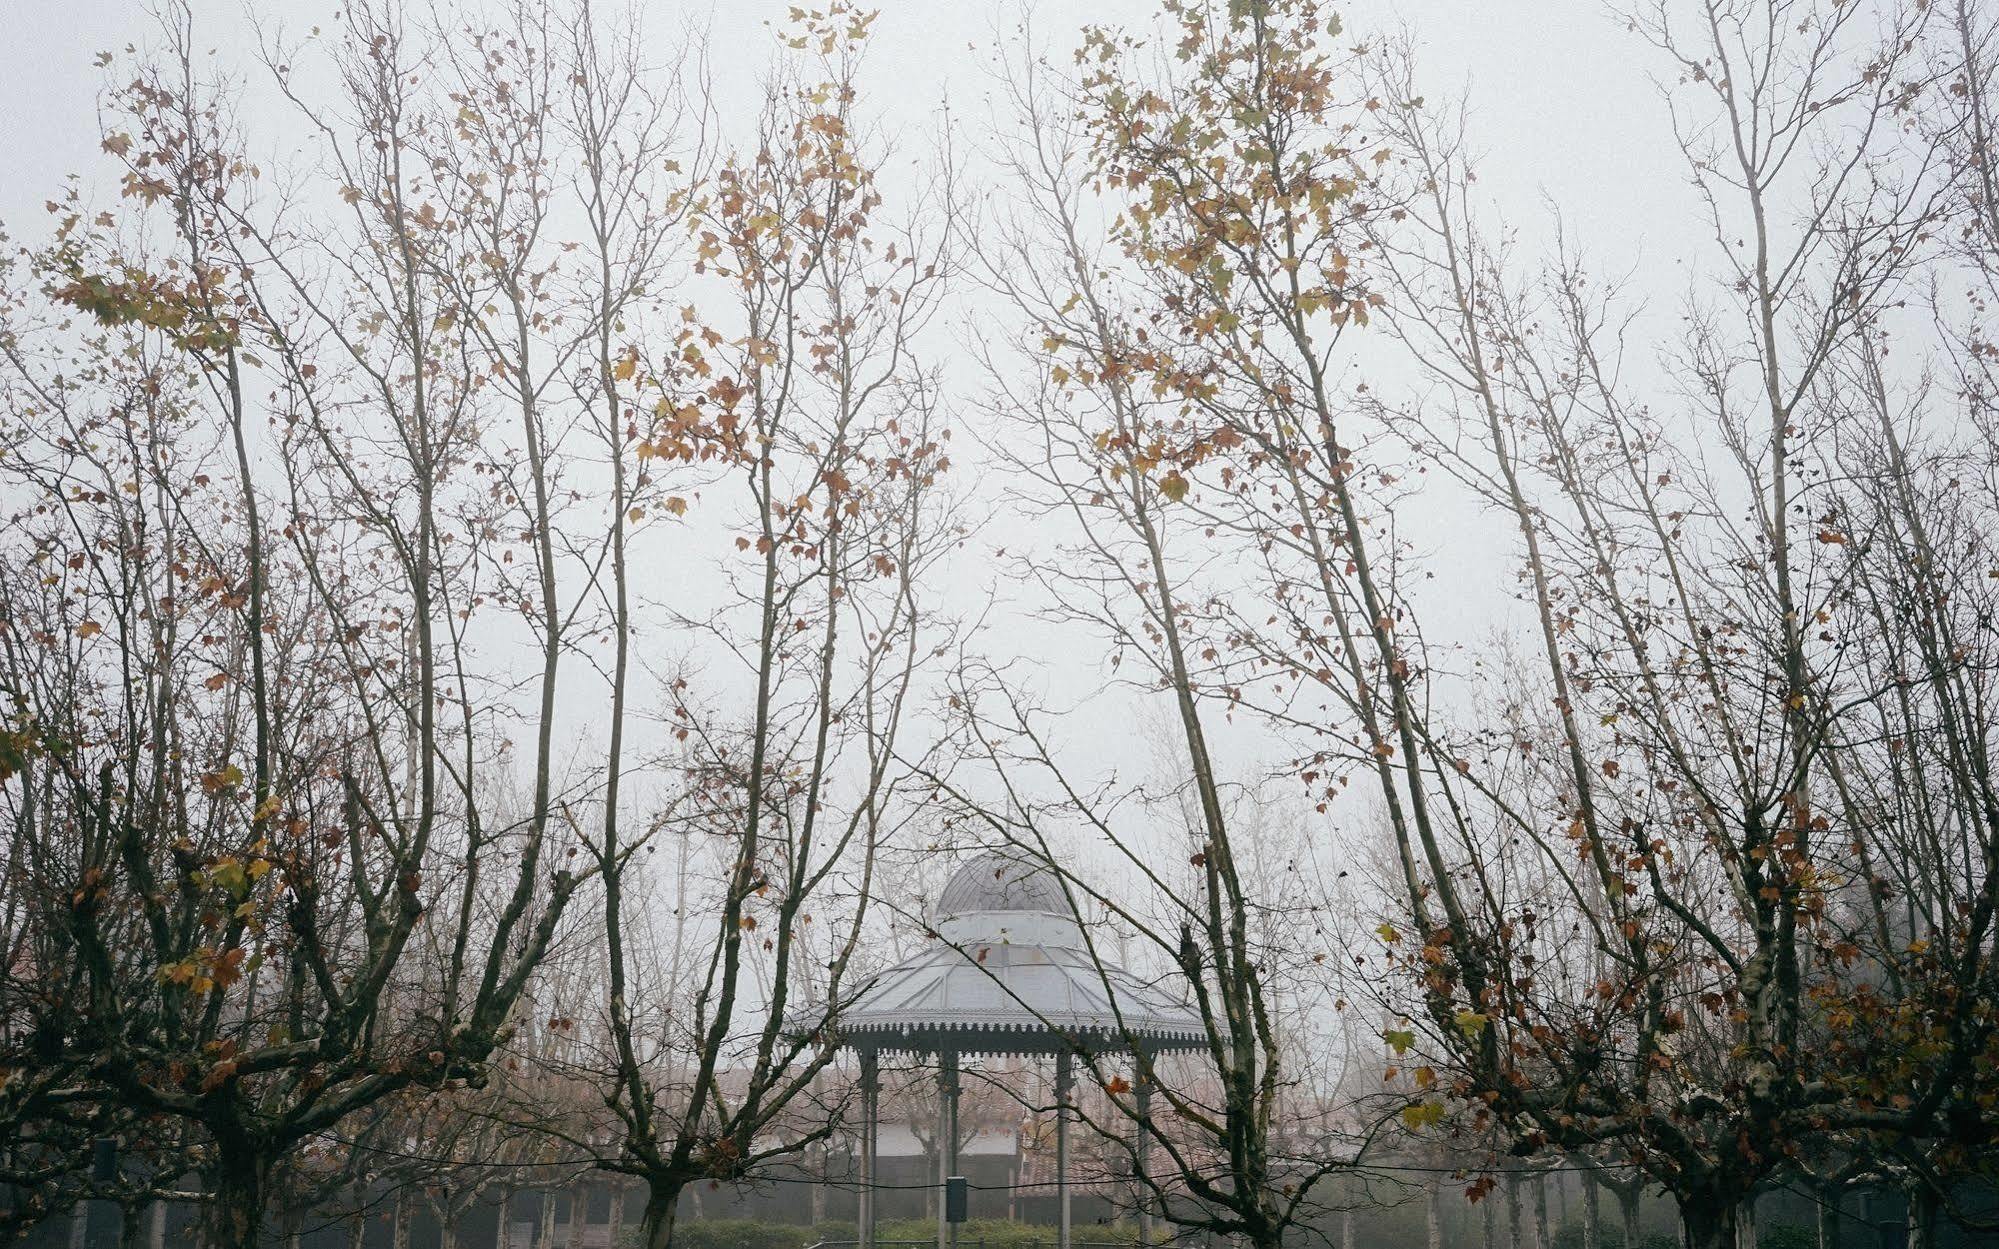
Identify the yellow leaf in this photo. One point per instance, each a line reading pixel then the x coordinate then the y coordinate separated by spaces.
pixel 223 778
pixel 1173 486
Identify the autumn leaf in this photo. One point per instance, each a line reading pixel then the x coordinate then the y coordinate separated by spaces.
pixel 1173 486
pixel 221 780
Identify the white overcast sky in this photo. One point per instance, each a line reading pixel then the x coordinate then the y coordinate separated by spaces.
pixel 1565 108
pixel 1565 113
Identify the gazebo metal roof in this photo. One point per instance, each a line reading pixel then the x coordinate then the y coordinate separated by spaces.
pixel 1011 975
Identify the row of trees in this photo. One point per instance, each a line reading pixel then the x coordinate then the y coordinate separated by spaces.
pixel 340 495
pixel 478 623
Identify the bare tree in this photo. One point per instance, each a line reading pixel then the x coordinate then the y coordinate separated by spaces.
pixel 809 397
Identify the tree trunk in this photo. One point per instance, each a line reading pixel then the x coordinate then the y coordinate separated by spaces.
pixel 1592 1231
pixel 656 1224
pixel 1745 1223
pixel 399 1230
pixel 1627 1205
pixel 546 1237
pixel 1922 1217
pixel 156 1225
pixel 1433 1214
pixel 616 1231
pixel 236 1206
pixel 1705 1223
pixel 1346 1229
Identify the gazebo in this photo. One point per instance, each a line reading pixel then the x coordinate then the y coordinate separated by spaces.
pixel 1009 976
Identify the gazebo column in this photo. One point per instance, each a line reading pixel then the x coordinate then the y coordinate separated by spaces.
pixel 947 1141
pixel 1065 1078
pixel 1141 1147
pixel 870 1144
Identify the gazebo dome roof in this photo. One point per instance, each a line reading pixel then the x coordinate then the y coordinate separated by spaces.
pixel 1010 973
pixel 997 882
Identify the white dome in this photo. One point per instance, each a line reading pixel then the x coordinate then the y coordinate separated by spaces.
pixel 1005 900
pixel 999 882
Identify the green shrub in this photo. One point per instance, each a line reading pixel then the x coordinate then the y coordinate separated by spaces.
pixel 996 1233
pixel 740 1234
pixel 691 1233
pixel 1611 1236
